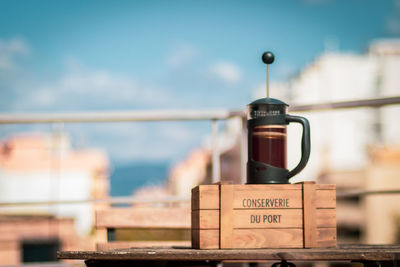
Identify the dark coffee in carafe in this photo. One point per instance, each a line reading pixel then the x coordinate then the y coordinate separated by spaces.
pixel 269 145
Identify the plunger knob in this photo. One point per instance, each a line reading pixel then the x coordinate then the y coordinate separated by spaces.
pixel 268 57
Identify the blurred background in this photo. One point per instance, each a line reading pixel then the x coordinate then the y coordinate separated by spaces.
pixel 187 57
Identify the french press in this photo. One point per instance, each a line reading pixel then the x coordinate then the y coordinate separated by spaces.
pixel 266 123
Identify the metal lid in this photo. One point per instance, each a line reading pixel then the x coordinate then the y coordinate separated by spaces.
pixel 268 101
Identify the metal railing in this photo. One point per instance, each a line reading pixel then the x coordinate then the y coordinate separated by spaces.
pixel 178 115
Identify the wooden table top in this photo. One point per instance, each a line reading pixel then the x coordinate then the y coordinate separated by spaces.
pixel 340 253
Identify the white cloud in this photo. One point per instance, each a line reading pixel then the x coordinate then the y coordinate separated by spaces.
pixel 140 141
pixel 81 88
pixel 181 55
pixel 9 50
pixel 44 97
pixel 228 72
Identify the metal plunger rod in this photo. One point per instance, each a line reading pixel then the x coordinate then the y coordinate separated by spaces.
pixel 268 58
pixel 267 80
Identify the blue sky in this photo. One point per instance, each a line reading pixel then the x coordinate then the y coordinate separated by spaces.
pixel 112 55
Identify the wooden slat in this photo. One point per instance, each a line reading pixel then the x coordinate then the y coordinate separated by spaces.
pixel 267 238
pixel 354 252
pixel 195 198
pixel 209 195
pixel 150 234
pixel 267 187
pixel 205 219
pixel 325 198
pixel 139 244
pixel 272 218
pixel 257 198
pixel 143 218
pixel 253 238
pixel 326 237
pixel 205 197
pixel 326 218
pixel 264 187
pixel 309 215
pixel 226 215
pixel 205 239
pixel 195 238
pixel 325 186
pixel 209 219
pixel 264 238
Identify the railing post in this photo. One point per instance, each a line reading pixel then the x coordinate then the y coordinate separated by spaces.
pixel 216 168
pixel 56 146
pixel 243 150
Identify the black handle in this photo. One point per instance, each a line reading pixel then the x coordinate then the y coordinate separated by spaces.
pixel 305 143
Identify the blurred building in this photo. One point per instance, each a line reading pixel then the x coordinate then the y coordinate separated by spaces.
pixel 33 238
pixel 45 168
pixel 189 173
pixel 197 167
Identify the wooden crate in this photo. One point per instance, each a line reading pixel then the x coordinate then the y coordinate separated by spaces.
pixel 264 216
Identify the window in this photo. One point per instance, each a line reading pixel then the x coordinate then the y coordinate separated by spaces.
pixel 40 250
